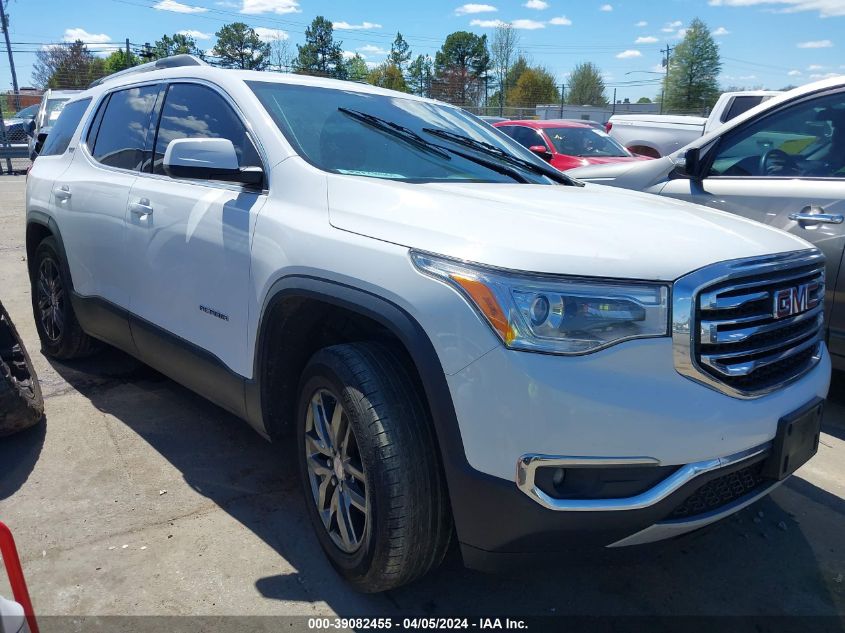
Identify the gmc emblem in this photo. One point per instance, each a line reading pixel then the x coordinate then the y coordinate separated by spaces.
pixel 792 301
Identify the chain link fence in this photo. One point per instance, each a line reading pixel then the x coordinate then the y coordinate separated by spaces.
pixel 17 109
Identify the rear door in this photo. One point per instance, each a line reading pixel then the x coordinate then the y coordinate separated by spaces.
pixel 189 240
pixel 787 170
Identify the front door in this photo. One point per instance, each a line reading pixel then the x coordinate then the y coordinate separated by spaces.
pixel 189 240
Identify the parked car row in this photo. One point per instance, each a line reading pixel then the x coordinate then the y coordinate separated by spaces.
pixel 463 341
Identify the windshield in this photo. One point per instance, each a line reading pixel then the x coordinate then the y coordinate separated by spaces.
pixel 27 113
pixel 54 109
pixel 336 130
pixel 582 141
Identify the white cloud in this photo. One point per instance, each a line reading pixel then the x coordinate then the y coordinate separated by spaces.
pixel 466 9
pixel 253 7
pixel 812 67
pixel 528 25
pixel 816 44
pixel 351 54
pixel 487 24
pixel 629 54
pixel 645 39
pixel 721 31
pixel 826 8
pixel 794 73
pixel 372 49
pixel 71 35
pixel 606 7
pixel 680 34
pixel 346 26
pixel 658 68
pixel 177 7
pixel 539 5
pixel 824 76
pixel 197 35
pixel 561 21
pixel 641 23
pixel 269 35
pixel 671 27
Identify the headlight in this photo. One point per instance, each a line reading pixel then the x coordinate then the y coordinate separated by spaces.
pixel 556 314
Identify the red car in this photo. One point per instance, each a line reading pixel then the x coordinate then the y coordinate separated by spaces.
pixel 567 144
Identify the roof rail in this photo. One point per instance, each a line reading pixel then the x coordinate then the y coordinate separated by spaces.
pixel 174 61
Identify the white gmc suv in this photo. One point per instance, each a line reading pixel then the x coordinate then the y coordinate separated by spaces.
pixel 462 340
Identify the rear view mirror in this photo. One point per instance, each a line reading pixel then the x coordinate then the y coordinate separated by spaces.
pixel 208 159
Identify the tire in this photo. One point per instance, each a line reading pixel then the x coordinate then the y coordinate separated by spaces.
pixel 61 335
pixel 21 403
pixel 391 463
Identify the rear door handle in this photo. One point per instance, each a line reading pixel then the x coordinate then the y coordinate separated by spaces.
pixel 62 193
pixel 816 215
pixel 141 208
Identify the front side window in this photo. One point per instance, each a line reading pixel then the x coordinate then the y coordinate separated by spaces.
pixel 527 137
pixel 122 137
pixel 806 139
pixel 52 110
pixel 195 111
pixel 395 137
pixel 62 132
pixel 584 141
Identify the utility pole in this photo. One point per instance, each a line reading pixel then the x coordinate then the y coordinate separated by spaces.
pixel 665 62
pixel 4 23
pixel 128 54
pixel 562 98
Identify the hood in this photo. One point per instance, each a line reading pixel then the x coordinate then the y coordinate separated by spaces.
pixel 592 230
pixel 637 175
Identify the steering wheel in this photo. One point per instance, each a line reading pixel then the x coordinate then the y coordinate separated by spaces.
pixel 776 162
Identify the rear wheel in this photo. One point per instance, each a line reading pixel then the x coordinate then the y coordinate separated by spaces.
pixel 370 469
pixel 61 335
pixel 21 403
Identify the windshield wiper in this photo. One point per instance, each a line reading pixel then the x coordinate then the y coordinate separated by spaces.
pixel 492 150
pixel 411 137
pixel 399 131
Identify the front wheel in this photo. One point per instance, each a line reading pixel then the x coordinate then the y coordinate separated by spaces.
pixel 370 469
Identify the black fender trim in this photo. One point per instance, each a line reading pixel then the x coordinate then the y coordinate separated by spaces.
pixel 47 221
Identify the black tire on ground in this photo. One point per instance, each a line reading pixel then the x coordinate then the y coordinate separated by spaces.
pixel 21 403
pixel 408 526
pixel 61 335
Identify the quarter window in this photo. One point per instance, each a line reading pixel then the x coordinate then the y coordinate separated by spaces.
pixel 62 132
pixel 122 136
pixel 195 111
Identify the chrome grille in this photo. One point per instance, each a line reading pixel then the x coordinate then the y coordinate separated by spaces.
pixel 747 327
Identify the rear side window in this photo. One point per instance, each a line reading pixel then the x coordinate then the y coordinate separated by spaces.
pixel 62 132
pixel 194 111
pixel 740 105
pixel 121 139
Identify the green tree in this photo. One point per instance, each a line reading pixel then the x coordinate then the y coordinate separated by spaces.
pixel 400 52
pixel 535 86
pixel 388 76
pixel 67 66
pixel 238 46
pixel 644 100
pixel 692 83
pixel 119 60
pixel 176 44
pixel 419 75
pixel 459 67
pixel 356 68
pixel 586 86
pixel 321 54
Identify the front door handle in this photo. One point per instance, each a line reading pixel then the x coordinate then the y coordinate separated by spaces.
pixel 815 215
pixel 141 208
pixel 62 193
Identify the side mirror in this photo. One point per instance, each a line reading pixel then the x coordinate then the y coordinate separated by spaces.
pixel 30 128
pixel 208 159
pixel 39 144
pixel 692 163
pixel 541 151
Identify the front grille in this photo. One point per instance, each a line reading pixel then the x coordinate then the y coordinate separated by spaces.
pixel 721 491
pixel 739 339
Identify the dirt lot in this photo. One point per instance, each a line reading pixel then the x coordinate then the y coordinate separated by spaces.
pixel 138 497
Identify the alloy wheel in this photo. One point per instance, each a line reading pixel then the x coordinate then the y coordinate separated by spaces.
pixel 335 471
pixel 51 297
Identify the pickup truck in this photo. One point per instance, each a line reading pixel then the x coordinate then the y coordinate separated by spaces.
pixel 658 135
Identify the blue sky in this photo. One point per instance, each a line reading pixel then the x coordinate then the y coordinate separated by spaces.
pixel 769 43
